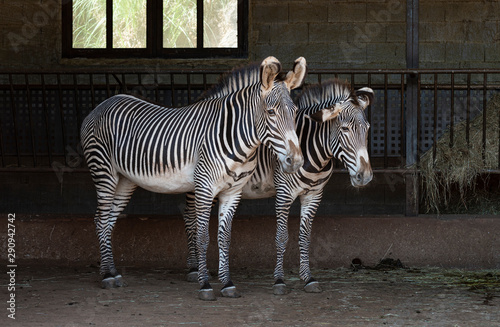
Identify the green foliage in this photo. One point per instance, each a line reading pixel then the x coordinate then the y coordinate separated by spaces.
pixel 129 23
pixel 179 23
pixel 220 23
pixel 89 23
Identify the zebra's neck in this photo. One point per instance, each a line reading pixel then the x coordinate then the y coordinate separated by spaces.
pixel 315 139
pixel 236 135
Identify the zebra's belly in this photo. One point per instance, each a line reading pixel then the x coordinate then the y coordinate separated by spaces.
pixel 259 188
pixel 169 182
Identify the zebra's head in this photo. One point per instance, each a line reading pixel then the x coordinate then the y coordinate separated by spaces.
pixel 275 121
pixel 349 133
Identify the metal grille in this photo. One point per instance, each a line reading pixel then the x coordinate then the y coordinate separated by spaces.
pixel 41 113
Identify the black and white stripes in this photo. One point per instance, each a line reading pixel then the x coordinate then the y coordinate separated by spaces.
pixel 208 147
pixel 330 123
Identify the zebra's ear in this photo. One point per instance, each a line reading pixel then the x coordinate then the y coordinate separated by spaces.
pixel 269 69
pixel 297 75
pixel 325 114
pixel 365 96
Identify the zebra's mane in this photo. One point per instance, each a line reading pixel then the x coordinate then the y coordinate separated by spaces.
pixel 326 91
pixel 235 80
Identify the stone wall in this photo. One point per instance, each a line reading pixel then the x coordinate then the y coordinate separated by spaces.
pixel 460 34
pixel 330 34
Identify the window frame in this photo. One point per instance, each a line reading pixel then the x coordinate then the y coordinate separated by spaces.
pixel 154 36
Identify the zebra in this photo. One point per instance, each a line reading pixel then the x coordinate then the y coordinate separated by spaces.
pixel 330 124
pixel 209 148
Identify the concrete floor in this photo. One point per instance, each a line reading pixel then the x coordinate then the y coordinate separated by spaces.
pixel 62 296
pixel 451 276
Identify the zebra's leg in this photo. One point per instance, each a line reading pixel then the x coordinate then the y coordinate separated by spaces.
pixel 203 201
pixel 227 206
pixel 190 227
pixel 309 206
pixel 283 203
pixel 108 208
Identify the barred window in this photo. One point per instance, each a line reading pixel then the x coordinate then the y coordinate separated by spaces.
pixel 155 28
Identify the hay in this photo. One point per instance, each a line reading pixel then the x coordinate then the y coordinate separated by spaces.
pixel 458 167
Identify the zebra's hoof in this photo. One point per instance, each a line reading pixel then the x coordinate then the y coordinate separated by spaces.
pixel 192 276
pixel 119 281
pixel 313 287
pixel 112 282
pixel 280 289
pixel 230 291
pixel 108 282
pixel 206 295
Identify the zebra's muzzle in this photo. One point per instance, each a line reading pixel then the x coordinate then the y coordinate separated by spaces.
pixel 293 160
pixel 364 174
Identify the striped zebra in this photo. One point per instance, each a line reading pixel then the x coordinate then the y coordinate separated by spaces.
pixel 209 148
pixel 330 124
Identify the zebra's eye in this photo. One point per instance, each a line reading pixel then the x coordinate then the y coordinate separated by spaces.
pixel 344 129
pixel 271 112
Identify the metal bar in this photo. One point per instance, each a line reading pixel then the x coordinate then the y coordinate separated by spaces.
pixel 139 80
pixel 14 120
pixel 374 85
pixel 419 120
pixel 369 114
pixel 46 114
pixel 61 111
pixel 30 117
pixel 77 107
pixel 485 82
pixel 188 80
pixel 434 136
pixel 335 171
pixel 452 109
pixel 413 95
pixel 157 95
pixel 402 122
pixel 462 87
pixel 1 146
pixel 108 91
pixel 174 103
pixel 132 70
pixel 92 94
pixel 124 85
pixel 467 120
pixel 386 124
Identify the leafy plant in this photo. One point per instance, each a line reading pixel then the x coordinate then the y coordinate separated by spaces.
pixel 179 23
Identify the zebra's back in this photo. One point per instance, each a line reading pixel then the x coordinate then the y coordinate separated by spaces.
pixel 155 147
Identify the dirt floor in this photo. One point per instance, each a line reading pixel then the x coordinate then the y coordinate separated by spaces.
pixel 61 296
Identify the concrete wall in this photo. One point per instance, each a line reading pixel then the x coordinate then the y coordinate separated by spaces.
pixel 74 193
pixel 462 242
pixel 330 34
